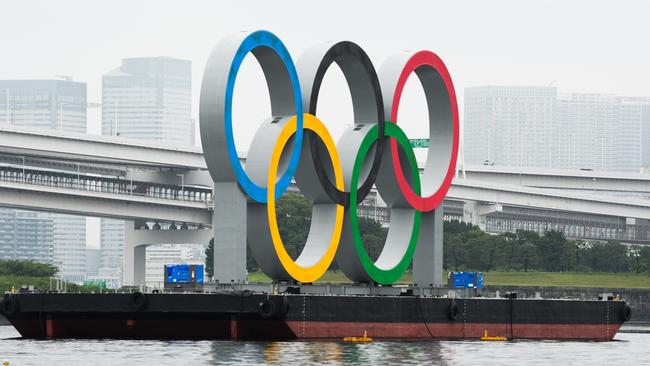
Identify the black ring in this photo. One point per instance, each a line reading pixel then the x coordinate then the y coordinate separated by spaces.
pixel 361 77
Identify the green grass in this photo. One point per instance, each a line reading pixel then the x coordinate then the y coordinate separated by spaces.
pixel 561 279
pixel 568 279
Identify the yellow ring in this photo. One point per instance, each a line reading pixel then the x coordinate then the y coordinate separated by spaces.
pixel 298 273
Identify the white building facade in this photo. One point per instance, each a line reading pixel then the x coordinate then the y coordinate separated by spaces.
pixel 537 127
pixel 510 126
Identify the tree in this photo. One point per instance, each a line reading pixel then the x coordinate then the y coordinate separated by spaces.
pixel 373 236
pixel 529 254
pixel 552 251
pixel 496 251
pixel 608 257
pixel 513 243
pixel 634 253
pixel 644 259
pixel 209 259
pixel 26 268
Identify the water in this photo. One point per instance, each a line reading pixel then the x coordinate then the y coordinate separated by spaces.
pixel 628 349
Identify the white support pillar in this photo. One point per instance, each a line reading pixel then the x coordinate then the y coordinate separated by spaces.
pixel 130 261
pixel 229 227
pixel 139 264
pixel 475 212
pixel 471 213
pixel 427 261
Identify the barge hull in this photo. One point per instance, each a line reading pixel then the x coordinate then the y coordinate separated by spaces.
pixel 291 317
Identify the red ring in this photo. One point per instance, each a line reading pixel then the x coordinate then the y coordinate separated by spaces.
pixel 425 58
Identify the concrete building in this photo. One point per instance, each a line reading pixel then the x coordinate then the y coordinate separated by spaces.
pixel 93 257
pixel 586 122
pixel 144 98
pixel 26 235
pixel 537 127
pixel 52 104
pixel 59 105
pixel 509 125
pixel 603 132
pixel 636 114
pixel 149 98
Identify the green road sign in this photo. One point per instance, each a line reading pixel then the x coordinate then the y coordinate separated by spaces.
pixel 419 143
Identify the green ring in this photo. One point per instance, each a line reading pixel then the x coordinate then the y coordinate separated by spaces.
pixel 384 277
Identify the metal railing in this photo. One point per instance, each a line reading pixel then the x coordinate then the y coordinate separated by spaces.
pixel 111 185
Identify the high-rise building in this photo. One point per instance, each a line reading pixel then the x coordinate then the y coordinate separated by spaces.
pixel 144 98
pixel 634 130
pixel 586 125
pixel 509 125
pixel 645 133
pixel 92 261
pixel 26 235
pixel 536 127
pixel 602 132
pixel 149 98
pixel 50 104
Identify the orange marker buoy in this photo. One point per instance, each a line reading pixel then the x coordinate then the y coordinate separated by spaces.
pixel 364 339
pixel 486 337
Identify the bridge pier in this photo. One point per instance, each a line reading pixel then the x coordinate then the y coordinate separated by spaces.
pixel 136 242
pixel 475 212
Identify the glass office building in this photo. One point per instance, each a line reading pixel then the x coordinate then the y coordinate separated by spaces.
pixel 52 238
pixel 144 98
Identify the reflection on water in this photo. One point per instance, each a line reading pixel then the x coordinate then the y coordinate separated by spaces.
pixel 323 353
pixel 628 349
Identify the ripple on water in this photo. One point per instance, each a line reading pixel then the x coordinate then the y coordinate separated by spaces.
pixel 627 349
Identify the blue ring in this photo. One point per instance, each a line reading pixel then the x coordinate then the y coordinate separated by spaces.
pixel 252 41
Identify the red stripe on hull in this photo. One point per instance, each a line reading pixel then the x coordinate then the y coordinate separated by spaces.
pixel 338 330
pixel 281 330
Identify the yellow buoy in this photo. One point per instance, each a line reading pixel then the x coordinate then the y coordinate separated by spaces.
pixel 486 337
pixel 364 339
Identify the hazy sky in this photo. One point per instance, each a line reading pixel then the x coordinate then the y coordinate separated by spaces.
pixel 585 46
pixel 592 46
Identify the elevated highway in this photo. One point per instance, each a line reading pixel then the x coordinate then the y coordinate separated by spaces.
pixel 135 180
pixel 571 179
pixel 552 199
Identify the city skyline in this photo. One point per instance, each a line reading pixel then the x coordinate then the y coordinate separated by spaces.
pixel 144 98
pixel 540 127
pixel 512 48
pixel 50 105
pixel 519 65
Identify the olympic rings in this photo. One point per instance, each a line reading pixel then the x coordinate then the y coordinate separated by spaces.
pixel 278 149
pixel 398 250
pixel 216 105
pixel 367 102
pixel 443 122
pixel 304 269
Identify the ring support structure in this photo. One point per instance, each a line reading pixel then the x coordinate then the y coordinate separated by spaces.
pixel 294 145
